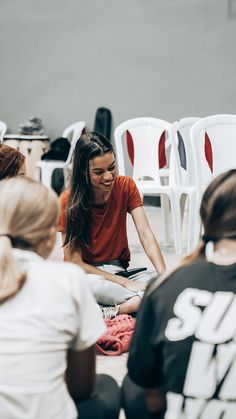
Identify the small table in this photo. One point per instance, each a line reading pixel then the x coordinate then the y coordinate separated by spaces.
pixel 25 137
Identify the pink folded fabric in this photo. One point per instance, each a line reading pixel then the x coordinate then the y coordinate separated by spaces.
pixel 118 336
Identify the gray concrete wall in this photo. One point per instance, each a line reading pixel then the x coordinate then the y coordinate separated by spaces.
pixel 61 60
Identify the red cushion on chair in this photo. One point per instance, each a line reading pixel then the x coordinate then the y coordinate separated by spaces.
pixel 130 147
pixel 162 151
pixel 208 152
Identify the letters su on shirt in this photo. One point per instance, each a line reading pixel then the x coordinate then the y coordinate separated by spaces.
pixel 209 390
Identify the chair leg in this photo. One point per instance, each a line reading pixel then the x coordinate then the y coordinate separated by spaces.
pixel 176 221
pixel 183 200
pixel 195 225
pixel 165 215
pixel 66 174
pixel 46 176
pixel 193 217
pixel 198 231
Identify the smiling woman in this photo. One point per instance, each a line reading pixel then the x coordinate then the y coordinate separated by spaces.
pixel 93 225
pixel 102 171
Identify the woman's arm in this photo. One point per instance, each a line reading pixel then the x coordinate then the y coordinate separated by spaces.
pixel 148 239
pixel 80 373
pixel 74 256
pixel 156 403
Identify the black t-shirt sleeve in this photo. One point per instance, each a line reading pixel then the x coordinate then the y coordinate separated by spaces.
pixel 144 361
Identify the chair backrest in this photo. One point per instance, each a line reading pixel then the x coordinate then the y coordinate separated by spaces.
pixel 214 146
pixel 73 133
pixel 3 129
pixel 184 170
pixel 144 141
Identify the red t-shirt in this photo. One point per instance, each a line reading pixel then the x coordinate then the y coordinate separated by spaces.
pixel 108 224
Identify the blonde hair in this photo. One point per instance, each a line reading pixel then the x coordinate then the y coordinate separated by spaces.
pixel 27 211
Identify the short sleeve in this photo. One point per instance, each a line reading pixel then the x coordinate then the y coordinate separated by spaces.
pixel 63 201
pixel 91 325
pixel 134 200
pixel 144 361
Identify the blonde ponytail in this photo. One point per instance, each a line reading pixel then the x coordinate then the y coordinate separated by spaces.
pixel 12 276
pixel 28 210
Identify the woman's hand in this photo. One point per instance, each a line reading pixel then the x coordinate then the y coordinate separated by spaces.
pixel 134 286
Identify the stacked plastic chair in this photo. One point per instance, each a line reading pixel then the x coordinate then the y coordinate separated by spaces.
pixel 142 143
pixel 3 130
pixel 183 173
pixel 214 150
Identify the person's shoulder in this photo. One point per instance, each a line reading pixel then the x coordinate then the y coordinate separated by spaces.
pixel 64 285
pixel 125 181
pixel 65 267
pixel 64 196
pixel 187 275
pixel 58 273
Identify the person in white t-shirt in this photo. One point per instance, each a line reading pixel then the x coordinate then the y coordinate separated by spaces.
pixel 49 320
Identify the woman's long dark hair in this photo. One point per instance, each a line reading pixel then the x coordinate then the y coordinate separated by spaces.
pixel 80 202
pixel 218 216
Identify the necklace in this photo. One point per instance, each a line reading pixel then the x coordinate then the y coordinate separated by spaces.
pixel 225 251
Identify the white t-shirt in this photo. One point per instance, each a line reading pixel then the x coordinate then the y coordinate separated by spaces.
pixel 53 311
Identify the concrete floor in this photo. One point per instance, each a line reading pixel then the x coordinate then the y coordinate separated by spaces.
pixel 116 366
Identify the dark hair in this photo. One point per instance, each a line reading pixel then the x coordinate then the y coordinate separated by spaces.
pixel 218 208
pixel 10 161
pixel 80 202
pixel 218 216
pixel 217 212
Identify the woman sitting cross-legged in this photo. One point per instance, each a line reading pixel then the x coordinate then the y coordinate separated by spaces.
pixel 49 319
pixel 93 224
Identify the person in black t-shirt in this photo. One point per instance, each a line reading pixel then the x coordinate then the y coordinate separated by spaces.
pixel 182 360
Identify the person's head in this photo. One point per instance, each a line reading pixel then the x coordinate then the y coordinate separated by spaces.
pixel 28 220
pixel 12 162
pixel 217 212
pixel 94 170
pixel 93 154
pixel 217 209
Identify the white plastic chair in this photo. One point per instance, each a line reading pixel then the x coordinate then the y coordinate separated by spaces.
pixel 142 142
pixel 3 130
pixel 214 147
pixel 47 167
pixel 183 174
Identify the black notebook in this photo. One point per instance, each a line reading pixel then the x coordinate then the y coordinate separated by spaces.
pixel 130 272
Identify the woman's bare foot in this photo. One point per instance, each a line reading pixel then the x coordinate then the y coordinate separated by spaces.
pixel 130 306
